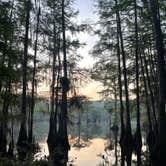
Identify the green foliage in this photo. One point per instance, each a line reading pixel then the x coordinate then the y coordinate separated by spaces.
pixel 78 102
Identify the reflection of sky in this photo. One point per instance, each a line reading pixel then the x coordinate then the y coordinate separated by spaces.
pixel 87 156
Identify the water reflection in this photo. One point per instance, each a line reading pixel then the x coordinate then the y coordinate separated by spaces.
pixel 96 145
pixel 87 143
pixel 89 155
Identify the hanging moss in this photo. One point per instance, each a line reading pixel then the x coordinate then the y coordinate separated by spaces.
pixel 65 82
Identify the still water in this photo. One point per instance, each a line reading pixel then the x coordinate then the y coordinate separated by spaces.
pixel 93 147
pixel 92 155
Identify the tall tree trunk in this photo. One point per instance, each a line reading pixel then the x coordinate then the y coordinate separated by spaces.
pixel 11 144
pixel 30 135
pixel 58 88
pixel 161 144
pixel 121 100
pixel 128 139
pixel 146 94
pixel 65 86
pixel 153 73
pixel 4 122
pixel 151 94
pixel 150 134
pixel 6 102
pixel 138 138
pixel 79 127
pixel 51 134
pixel 115 130
pixel 22 139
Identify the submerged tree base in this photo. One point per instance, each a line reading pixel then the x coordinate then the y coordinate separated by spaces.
pixel 58 154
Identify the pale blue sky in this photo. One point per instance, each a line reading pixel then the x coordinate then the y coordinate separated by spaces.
pixel 86 8
pixel 86 14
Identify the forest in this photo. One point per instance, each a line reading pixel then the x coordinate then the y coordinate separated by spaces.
pixel 44 118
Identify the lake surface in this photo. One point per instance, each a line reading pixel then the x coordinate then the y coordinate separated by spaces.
pixel 94 142
pixel 87 156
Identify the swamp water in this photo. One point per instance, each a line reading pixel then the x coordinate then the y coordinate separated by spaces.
pixel 93 149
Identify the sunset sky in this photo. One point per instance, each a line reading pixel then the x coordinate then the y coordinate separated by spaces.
pixel 87 13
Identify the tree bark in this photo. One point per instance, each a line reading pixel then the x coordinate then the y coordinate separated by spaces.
pixel 51 134
pixel 161 144
pixel 151 94
pixel 30 139
pixel 65 86
pixel 128 139
pixel 138 138
pixel 121 100
pixel 22 139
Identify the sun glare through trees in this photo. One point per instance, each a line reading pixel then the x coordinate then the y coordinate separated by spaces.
pixel 82 82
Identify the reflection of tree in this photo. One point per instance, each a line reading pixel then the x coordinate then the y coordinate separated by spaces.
pixel 115 129
pixel 78 103
pixel 82 144
pixel 95 130
pixel 112 143
pixel 60 156
pixel 105 161
pixel 109 146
